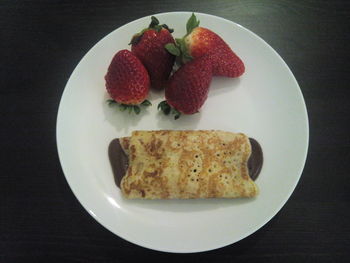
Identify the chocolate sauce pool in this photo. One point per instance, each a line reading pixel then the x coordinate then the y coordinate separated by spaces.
pixel 119 160
pixel 255 160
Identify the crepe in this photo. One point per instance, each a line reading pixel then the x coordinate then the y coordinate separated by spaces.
pixel 187 164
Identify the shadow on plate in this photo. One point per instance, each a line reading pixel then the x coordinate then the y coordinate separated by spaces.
pixel 122 121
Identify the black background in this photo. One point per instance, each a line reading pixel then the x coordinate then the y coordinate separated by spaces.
pixel 40 44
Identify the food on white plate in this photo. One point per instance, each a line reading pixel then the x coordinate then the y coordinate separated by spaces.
pixel 169 164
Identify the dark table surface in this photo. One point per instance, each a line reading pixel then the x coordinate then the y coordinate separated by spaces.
pixel 41 43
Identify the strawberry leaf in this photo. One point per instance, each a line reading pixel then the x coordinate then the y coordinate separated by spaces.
pixel 123 107
pixel 172 49
pixel 131 108
pixel 155 25
pixel 154 22
pixel 164 107
pixel 111 102
pixel 178 41
pixel 136 109
pixel 167 109
pixel 157 28
pixel 159 107
pixel 146 103
pixel 135 39
pixel 181 43
pixel 171 30
pixel 176 112
pixel 177 116
pixel 185 56
pixel 192 23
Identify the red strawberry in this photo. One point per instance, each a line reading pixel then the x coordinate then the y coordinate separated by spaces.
pixel 127 80
pixel 201 41
pixel 188 87
pixel 148 46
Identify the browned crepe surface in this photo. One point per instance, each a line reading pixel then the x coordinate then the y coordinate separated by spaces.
pixel 187 164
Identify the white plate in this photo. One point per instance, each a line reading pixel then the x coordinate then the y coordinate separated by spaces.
pixel 265 103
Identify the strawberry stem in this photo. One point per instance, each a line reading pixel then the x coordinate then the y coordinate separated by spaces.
pixel 173 49
pixel 180 48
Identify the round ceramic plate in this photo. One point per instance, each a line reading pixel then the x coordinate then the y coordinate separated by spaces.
pixel 265 103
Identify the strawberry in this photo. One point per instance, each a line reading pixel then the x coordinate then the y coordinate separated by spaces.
pixel 127 81
pixel 201 41
pixel 148 46
pixel 188 88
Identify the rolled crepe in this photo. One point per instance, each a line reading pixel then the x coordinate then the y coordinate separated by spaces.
pixel 187 164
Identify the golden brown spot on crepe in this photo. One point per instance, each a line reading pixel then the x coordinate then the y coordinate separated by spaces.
pixel 212 186
pixel 211 141
pixel 132 151
pixel 134 186
pixel 153 148
pixel 150 174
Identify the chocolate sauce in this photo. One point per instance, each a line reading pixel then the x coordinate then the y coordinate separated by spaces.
pixel 255 160
pixel 119 160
